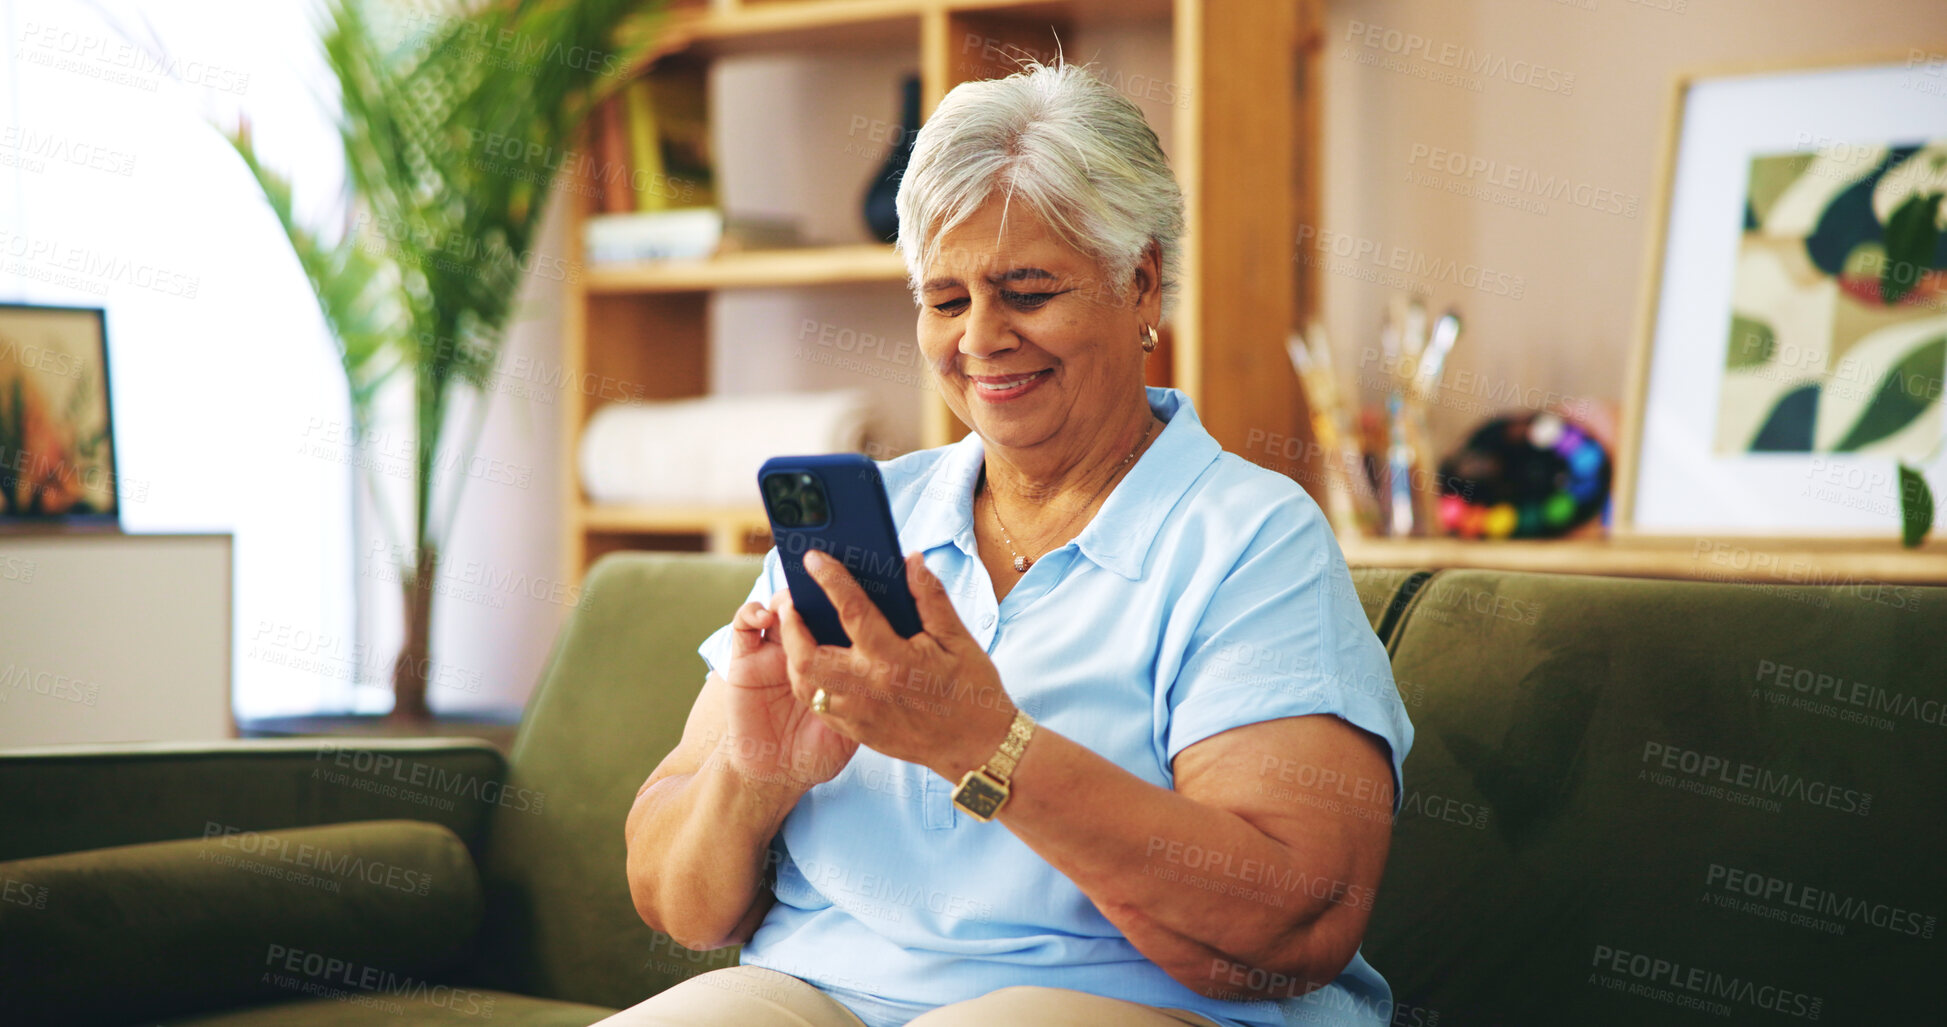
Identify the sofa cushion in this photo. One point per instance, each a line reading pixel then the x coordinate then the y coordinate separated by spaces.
pixel 1673 802
pixel 1383 594
pixel 610 705
pixel 69 798
pixel 143 931
pixel 439 1006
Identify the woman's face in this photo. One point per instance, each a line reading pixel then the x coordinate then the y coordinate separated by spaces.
pixel 1026 337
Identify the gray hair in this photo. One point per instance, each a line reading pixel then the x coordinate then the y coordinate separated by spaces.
pixel 1078 153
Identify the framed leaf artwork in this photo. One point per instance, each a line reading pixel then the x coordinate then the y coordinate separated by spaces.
pixel 57 454
pixel 1795 331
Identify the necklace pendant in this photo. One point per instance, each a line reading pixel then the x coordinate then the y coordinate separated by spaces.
pixel 1021 564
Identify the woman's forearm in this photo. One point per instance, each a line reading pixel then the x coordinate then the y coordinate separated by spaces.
pixel 697 848
pixel 1197 889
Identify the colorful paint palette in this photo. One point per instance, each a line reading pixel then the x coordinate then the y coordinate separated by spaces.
pixel 1525 476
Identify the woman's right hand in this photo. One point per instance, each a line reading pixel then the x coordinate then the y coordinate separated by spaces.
pixel 774 738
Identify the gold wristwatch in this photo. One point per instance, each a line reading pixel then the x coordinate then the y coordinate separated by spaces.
pixel 984 789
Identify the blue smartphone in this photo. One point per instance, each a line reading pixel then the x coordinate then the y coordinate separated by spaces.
pixel 836 504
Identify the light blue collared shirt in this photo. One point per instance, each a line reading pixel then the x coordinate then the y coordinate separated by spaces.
pixel 1206 594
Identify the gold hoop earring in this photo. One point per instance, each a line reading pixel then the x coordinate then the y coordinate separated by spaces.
pixel 1149 344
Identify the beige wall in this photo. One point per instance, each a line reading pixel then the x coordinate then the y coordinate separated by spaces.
pixel 110 638
pixel 1577 269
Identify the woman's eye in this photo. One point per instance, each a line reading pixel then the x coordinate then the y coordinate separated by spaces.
pixel 1029 300
pixel 953 306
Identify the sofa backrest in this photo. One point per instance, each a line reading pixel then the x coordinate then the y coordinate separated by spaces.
pixel 1667 802
pixel 612 702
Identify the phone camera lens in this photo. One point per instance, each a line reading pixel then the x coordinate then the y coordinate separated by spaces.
pixel 788 512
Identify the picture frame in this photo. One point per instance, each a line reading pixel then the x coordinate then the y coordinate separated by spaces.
pixel 1768 334
pixel 57 439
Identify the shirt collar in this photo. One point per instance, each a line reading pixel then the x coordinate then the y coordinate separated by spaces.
pixel 1119 536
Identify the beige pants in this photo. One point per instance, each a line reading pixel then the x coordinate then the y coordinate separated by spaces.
pixel 750 996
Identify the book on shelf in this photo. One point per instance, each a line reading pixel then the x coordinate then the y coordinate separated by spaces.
pixel 680 235
pixel 658 199
pixel 651 143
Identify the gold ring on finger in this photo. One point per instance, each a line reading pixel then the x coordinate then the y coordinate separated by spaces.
pixel 820 702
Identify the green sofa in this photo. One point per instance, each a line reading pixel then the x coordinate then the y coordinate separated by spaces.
pixel 1628 802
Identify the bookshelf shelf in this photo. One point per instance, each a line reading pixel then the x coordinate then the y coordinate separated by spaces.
pixel 725 528
pixel 756 269
pixel 753 26
pixel 1775 561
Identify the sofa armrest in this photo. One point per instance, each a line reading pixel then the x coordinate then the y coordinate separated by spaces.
pixel 69 798
pixel 137 932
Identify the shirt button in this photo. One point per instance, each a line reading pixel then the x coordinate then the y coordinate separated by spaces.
pixel 986 620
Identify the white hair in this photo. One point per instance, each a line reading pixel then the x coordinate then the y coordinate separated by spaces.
pixel 1059 139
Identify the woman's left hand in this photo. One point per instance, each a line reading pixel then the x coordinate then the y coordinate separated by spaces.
pixel 934 699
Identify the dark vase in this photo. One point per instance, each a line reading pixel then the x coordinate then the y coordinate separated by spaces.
pixel 881 210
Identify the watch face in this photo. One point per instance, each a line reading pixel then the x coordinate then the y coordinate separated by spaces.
pixel 981 796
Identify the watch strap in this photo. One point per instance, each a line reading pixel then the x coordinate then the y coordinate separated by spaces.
pixel 1008 756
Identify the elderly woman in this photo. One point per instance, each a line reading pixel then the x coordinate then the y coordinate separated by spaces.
pixel 1141 764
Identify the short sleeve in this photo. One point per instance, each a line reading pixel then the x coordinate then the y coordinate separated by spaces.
pixel 715 650
pixel 1284 635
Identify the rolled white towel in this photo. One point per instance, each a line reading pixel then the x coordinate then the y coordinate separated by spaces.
pixel 706 451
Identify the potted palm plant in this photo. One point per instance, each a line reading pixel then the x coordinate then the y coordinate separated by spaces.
pixel 420 281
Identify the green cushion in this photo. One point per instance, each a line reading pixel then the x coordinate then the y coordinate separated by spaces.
pixel 1590 802
pixel 1382 591
pixel 143 931
pixel 71 798
pixel 611 704
pixel 406 1008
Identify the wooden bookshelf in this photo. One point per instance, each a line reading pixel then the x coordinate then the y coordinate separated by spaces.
pixel 756 269
pixel 1775 561
pixel 1244 123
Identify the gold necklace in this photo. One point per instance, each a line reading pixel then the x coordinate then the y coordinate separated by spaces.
pixel 1022 563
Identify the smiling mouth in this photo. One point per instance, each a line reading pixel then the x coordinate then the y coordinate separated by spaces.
pixel 1011 382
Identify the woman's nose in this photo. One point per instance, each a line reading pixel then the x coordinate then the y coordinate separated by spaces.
pixel 987 329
